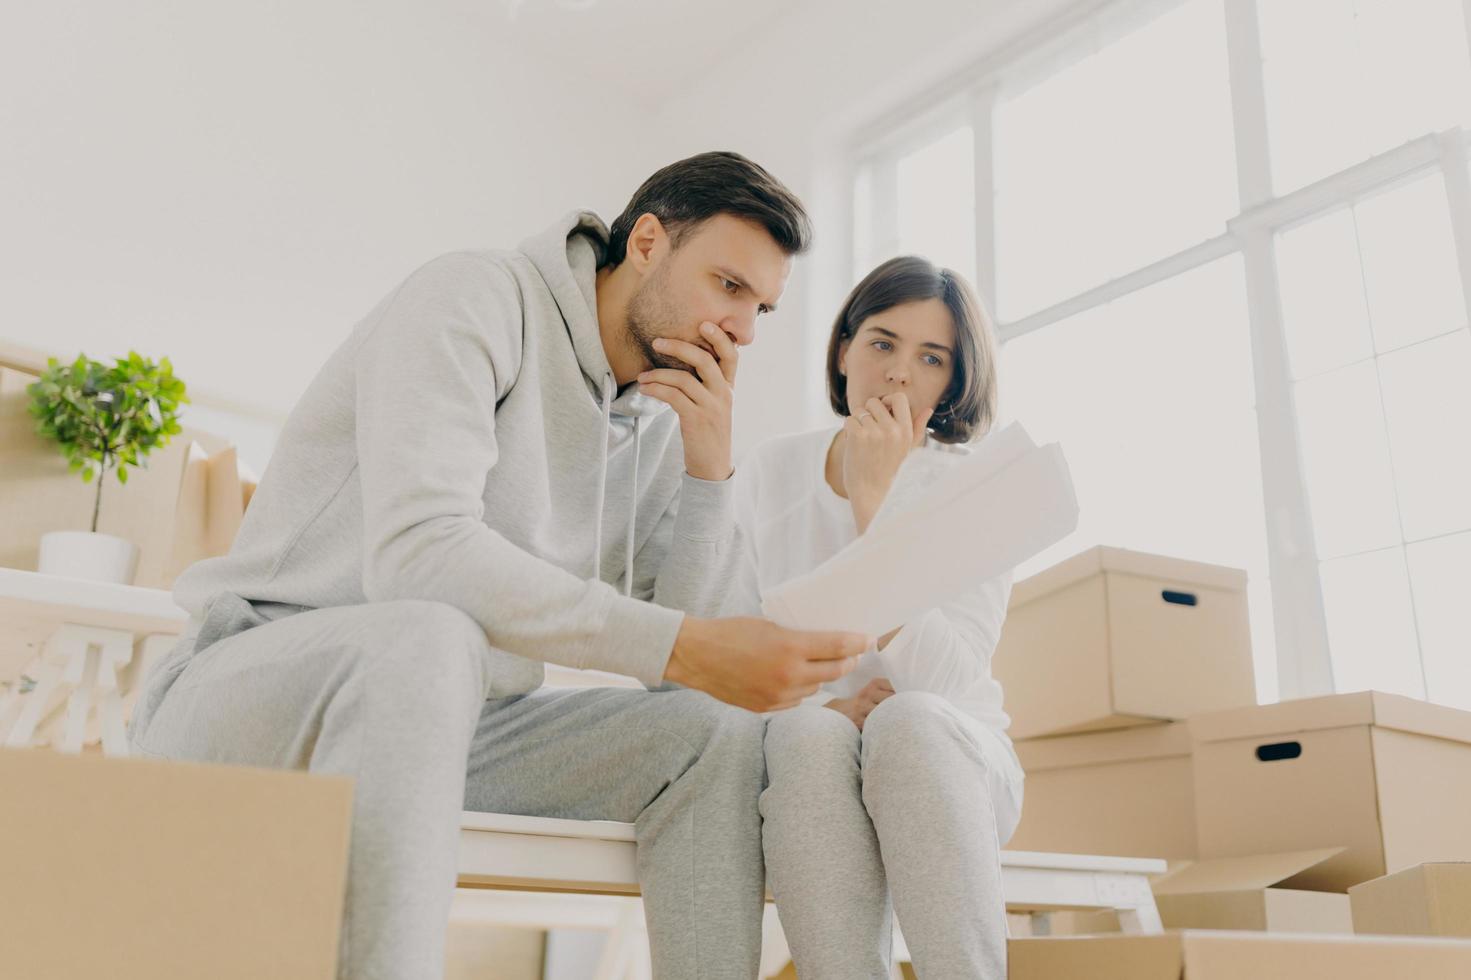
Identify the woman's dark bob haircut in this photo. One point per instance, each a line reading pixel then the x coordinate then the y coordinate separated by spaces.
pixel 968 406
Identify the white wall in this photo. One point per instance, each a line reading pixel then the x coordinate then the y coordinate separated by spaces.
pixel 234 185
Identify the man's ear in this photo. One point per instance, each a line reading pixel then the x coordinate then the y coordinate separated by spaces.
pixel 647 242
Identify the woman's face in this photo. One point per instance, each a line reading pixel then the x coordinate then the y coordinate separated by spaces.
pixel 908 348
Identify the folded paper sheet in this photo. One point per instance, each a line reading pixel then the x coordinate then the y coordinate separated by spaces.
pixel 1005 502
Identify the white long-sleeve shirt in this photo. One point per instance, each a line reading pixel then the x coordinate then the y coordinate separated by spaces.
pixel 792 520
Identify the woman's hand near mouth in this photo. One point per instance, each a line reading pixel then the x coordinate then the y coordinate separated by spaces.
pixel 875 442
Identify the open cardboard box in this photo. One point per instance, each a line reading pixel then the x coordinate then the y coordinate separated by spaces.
pixel 1210 955
pixel 1233 894
pixel 1112 638
pixel 1375 774
pixel 1135 785
pixel 1426 900
pixel 131 868
pixel 1244 894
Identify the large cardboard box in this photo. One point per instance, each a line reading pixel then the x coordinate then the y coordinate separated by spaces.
pixel 1386 777
pixel 127 868
pixel 1113 638
pixel 185 503
pixel 1427 900
pixel 1243 894
pixel 1129 793
pixel 1238 956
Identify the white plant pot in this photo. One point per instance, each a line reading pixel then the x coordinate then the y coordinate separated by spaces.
pixel 89 555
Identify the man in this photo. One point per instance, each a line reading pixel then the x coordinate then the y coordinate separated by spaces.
pixel 487 476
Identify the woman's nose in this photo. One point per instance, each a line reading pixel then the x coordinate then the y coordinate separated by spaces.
pixel 897 375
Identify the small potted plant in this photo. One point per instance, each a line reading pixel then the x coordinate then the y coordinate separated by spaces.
pixel 105 419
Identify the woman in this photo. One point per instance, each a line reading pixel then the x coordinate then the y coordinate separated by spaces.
pixel 899 778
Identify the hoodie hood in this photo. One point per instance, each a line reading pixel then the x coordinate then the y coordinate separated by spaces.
pixel 568 256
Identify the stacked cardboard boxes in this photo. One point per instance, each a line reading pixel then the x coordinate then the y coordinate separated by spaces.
pixel 1129 681
pixel 1102 659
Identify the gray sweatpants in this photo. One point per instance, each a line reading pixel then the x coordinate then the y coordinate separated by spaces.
pixel 394 694
pixel 918 804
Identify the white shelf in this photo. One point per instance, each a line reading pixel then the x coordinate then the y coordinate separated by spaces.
pixel 33 605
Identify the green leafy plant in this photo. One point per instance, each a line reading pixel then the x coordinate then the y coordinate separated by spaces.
pixel 107 418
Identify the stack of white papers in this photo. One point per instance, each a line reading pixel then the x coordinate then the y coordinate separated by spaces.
pixel 1005 502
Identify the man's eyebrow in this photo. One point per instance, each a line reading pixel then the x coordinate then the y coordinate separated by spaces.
pixel 893 336
pixel 740 280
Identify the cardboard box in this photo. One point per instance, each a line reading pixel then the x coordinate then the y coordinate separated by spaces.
pixel 127 868
pixel 1426 900
pixel 1113 638
pixel 1129 793
pixel 1228 893
pixel 1238 956
pixel 184 504
pixel 1244 894
pixel 1373 773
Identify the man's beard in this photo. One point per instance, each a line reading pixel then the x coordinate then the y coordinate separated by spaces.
pixel 651 316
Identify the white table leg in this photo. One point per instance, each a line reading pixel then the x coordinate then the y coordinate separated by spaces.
pixel 775 952
pixel 1141 920
pixel 85 660
pixel 13 703
pixel 81 674
pixel 113 661
pixel 620 959
pixel 9 706
pixel 48 677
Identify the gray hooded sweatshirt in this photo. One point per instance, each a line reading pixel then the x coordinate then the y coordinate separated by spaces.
pixel 467 445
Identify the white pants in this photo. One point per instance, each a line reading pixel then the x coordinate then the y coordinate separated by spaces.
pixel 917 805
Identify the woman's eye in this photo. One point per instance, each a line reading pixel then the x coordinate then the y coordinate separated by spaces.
pixel 882 345
pixel 730 285
pixel 932 360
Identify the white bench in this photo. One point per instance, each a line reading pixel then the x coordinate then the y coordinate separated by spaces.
pixel 65 631
pixel 596 857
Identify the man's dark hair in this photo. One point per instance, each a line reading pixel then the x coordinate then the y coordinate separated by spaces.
pixel 684 194
pixel 968 406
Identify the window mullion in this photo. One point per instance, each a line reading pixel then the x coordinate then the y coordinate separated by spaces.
pixel 1454 166
pixel 1304 667
pixel 982 106
pixel 885 209
pixel 1248 103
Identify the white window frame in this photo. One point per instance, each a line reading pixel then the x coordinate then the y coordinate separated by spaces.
pixel 1304 666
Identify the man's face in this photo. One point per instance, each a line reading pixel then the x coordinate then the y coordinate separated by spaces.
pixel 726 270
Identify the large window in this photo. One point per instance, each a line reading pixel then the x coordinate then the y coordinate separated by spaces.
pixel 1151 395
pixel 1346 79
pixel 1229 247
pixel 1117 160
pixel 936 201
pixel 1380 355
